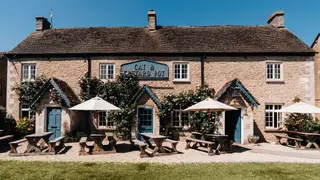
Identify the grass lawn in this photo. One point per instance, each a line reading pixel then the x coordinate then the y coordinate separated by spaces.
pixel 90 171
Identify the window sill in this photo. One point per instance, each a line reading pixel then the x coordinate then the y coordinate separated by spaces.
pixel 273 130
pixel 106 128
pixel 275 81
pixel 108 80
pixel 181 81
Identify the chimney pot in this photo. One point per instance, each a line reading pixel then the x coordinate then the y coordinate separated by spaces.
pixel 277 19
pixel 152 20
pixel 42 23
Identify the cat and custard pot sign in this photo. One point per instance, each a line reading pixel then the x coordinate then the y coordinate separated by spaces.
pixel 147 70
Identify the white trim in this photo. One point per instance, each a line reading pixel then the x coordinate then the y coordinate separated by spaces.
pixel 104 127
pixel 273 79
pixel 29 65
pixel 181 79
pixel 265 111
pixel 107 73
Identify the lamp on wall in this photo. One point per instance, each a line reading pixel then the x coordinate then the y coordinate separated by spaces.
pixel 236 91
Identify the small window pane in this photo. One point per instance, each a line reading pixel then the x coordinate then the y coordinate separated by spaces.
pixel 110 71
pixel 102 119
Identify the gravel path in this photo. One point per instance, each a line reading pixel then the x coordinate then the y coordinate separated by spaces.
pixel 263 153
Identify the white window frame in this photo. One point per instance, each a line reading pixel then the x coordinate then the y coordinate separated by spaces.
pixel 181 79
pixel 30 116
pixel 180 111
pixel 106 121
pixel 273 110
pixel 29 72
pixel 107 72
pixel 273 79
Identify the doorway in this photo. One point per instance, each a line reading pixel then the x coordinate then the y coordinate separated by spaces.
pixel 233 125
pixel 54 121
pixel 145 120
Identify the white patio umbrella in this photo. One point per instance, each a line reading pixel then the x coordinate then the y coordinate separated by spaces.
pixel 210 105
pixel 95 104
pixel 300 107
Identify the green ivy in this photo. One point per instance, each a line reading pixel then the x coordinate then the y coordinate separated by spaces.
pixel 28 89
pixel 119 93
pixel 198 120
pixel 302 121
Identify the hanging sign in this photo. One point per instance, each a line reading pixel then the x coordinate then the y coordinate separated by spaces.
pixel 147 70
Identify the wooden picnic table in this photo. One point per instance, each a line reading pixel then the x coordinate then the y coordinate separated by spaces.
pixel 33 140
pixel 158 140
pixel 219 139
pixel 311 138
pixel 98 139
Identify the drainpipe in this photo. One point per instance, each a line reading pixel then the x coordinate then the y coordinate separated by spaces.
pixel 89 66
pixel 202 58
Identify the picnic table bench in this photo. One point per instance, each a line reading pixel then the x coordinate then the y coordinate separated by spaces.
pixel 159 149
pixel 97 146
pixel 196 141
pixel 53 149
pixel 297 141
pixel 7 137
pixel 142 147
pixel 14 145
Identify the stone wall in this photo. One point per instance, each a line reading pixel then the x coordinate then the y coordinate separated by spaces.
pixel 251 71
pixel 316 48
pixel 70 71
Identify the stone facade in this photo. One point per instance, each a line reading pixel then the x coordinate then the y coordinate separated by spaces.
pixel 3 80
pixel 250 70
pixel 316 47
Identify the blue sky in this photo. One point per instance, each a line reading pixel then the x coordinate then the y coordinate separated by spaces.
pixel 18 16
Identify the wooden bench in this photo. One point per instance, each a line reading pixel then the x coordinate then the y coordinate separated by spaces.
pixel 7 137
pixel 14 145
pixel 173 144
pixel 196 141
pixel 297 141
pixel 53 149
pixel 83 144
pixel 142 146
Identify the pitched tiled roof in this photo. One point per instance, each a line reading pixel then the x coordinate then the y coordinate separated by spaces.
pixel 62 88
pixel 228 87
pixel 167 39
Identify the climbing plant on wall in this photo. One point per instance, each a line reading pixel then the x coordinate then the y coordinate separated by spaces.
pixel 198 120
pixel 120 93
pixel 27 90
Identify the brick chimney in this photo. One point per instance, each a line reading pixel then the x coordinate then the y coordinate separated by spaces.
pixel 277 19
pixel 42 23
pixel 152 20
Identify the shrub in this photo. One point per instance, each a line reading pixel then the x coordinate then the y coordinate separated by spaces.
pixel 198 120
pixel 22 126
pixel 28 89
pixel 119 93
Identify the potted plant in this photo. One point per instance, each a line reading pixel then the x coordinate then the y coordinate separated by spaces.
pixel 253 139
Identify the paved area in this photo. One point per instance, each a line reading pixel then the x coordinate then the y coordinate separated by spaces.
pixel 265 152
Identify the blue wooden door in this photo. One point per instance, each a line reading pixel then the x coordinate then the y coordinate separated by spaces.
pixel 237 132
pixel 54 121
pixel 145 120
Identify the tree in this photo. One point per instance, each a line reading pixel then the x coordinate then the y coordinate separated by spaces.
pixel 119 93
pixel 301 121
pixel 198 120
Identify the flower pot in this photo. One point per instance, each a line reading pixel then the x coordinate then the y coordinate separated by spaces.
pixel 253 139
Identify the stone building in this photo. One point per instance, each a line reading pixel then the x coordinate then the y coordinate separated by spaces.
pixel 257 69
pixel 316 47
pixel 3 79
